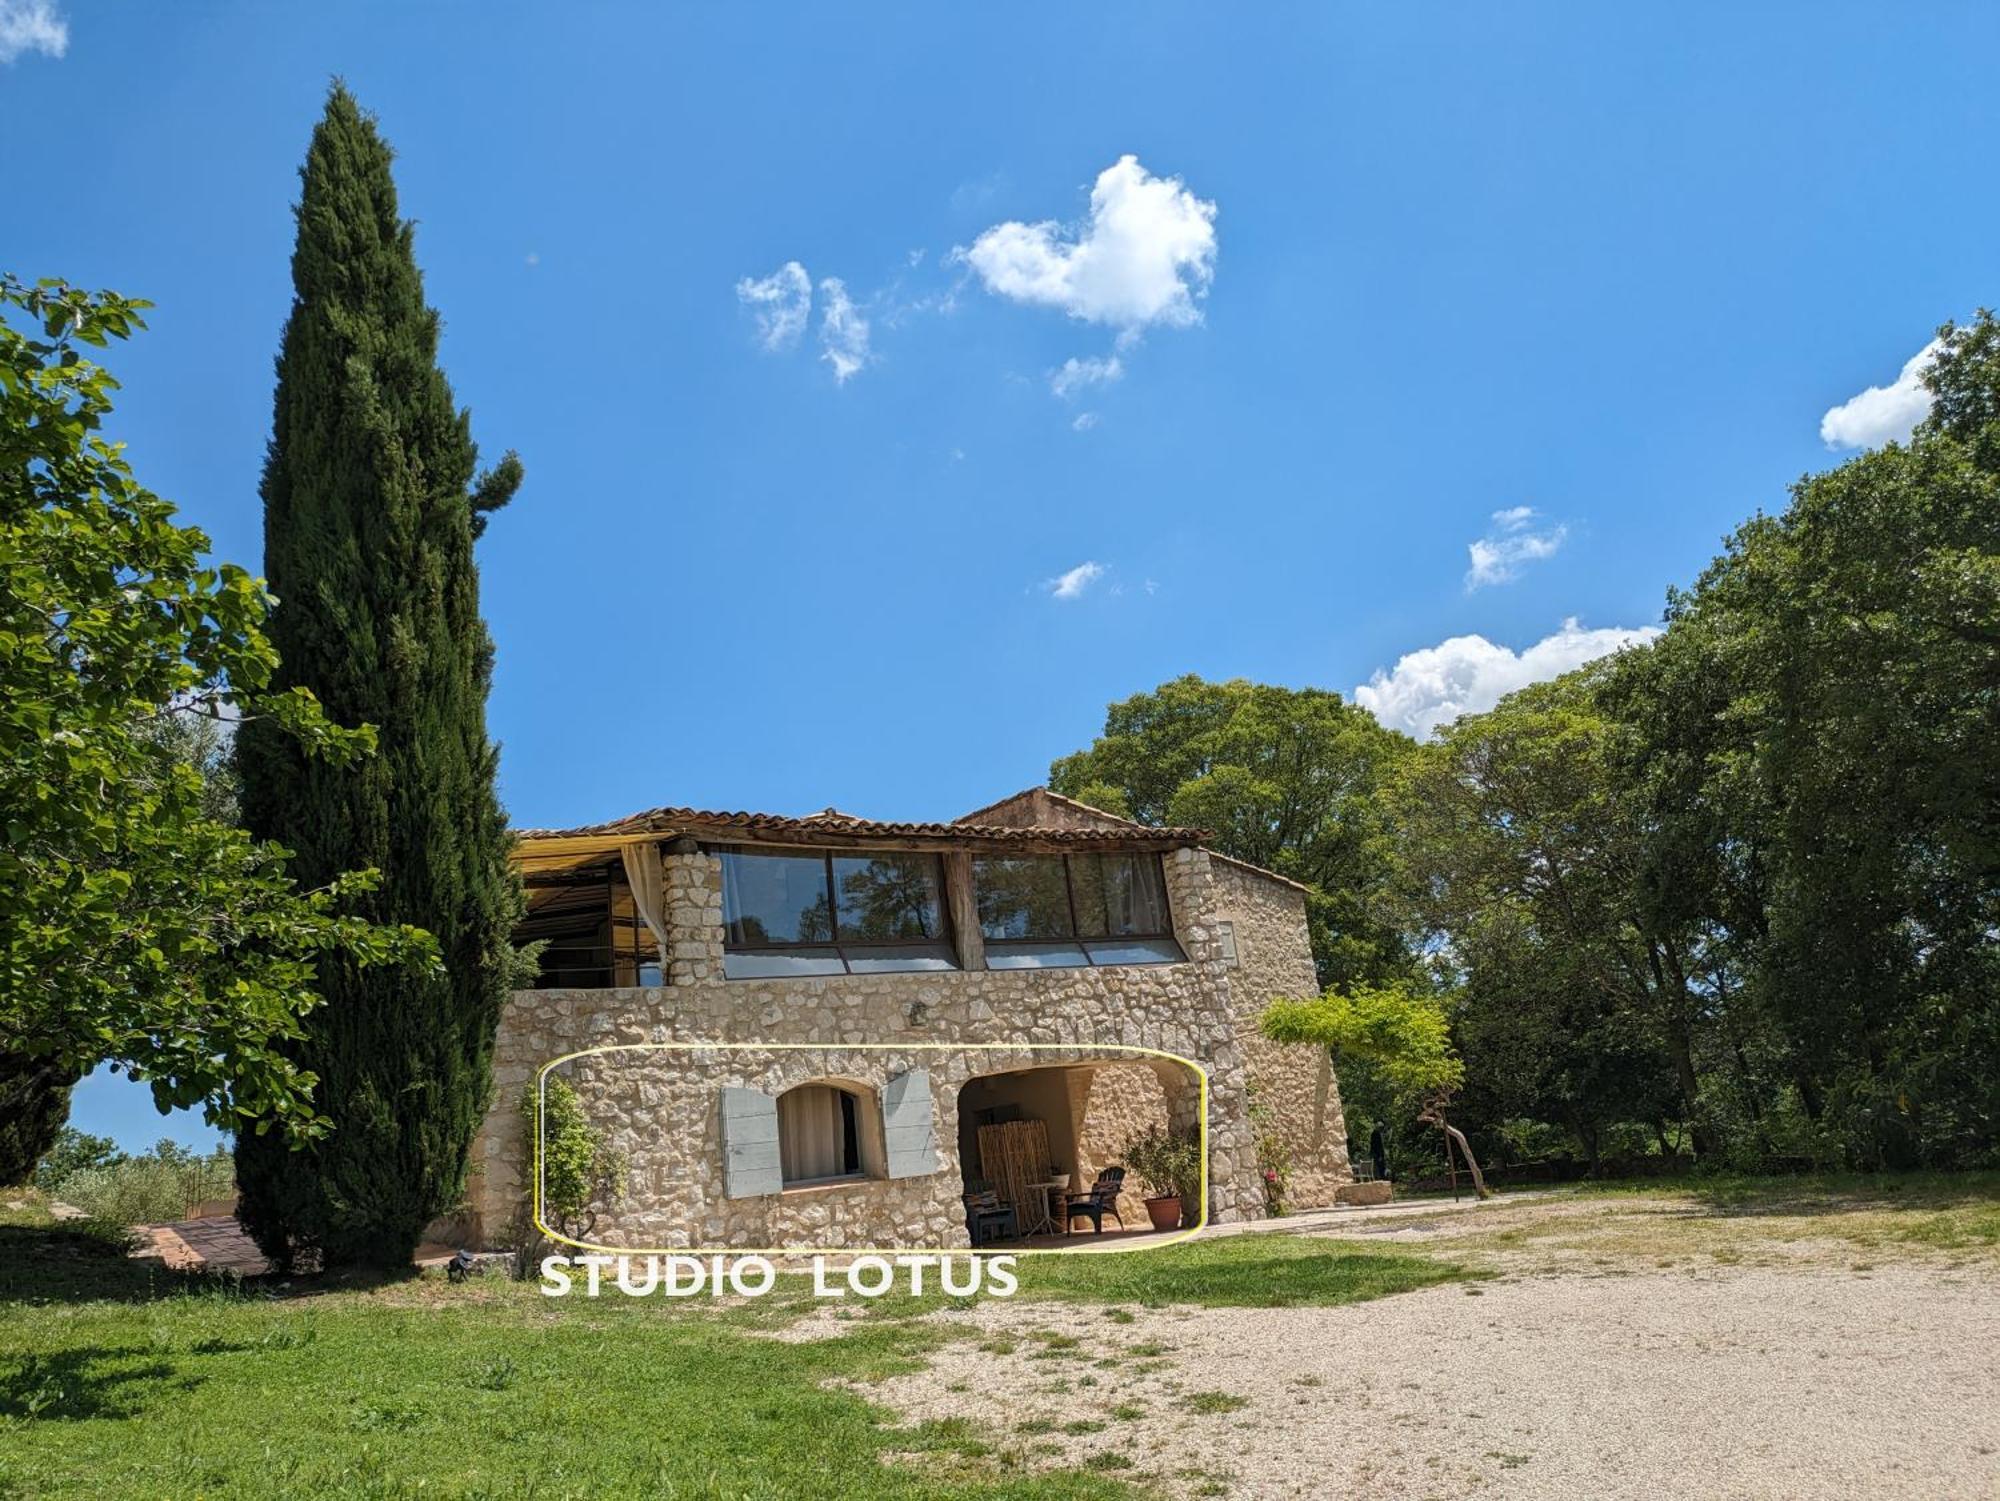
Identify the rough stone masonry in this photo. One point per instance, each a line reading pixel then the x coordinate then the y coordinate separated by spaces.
pixel 1244 936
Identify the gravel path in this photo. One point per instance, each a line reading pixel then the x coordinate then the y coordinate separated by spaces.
pixel 1728 1382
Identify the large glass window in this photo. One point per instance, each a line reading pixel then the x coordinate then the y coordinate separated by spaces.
pixel 1118 895
pixel 772 899
pixel 1057 911
pixel 828 914
pixel 1023 897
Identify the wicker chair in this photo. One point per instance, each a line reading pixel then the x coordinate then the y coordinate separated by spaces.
pixel 987 1218
pixel 1100 1201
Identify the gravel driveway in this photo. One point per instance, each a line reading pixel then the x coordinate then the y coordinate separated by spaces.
pixel 1721 1382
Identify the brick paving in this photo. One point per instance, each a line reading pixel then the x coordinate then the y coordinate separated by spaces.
pixel 216 1243
pixel 213 1244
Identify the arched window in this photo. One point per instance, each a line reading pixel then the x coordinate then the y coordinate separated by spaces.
pixel 823 1134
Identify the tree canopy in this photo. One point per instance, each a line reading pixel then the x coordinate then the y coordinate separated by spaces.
pixel 1736 890
pixel 136 927
pixel 1285 778
pixel 1746 879
pixel 1406 1032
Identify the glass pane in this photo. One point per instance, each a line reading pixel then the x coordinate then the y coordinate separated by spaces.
pixel 889 897
pixel 1135 951
pixel 780 963
pixel 1086 874
pixel 774 899
pixel 1034 956
pixel 1022 897
pixel 867 961
pixel 817 1137
pixel 1119 894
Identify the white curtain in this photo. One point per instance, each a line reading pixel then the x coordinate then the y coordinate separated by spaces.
pixel 642 874
pixel 812 1135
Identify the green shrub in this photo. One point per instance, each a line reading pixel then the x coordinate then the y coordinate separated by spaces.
pixel 581 1176
pixel 164 1184
pixel 74 1151
pixel 1274 1158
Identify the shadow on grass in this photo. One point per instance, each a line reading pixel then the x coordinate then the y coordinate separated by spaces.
pixel 71 1263
pixel 77 1262
pixel 71 1385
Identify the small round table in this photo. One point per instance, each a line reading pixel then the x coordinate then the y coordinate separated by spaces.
pixel 1045 1224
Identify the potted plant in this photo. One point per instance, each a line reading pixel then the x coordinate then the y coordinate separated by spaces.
pixel 1169 1163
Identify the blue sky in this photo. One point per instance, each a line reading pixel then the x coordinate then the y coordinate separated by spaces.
pixel 1378 279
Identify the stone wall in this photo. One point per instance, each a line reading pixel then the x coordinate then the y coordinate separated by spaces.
pixel 1125 1101
pixel 661 1107
pixel 1297 1097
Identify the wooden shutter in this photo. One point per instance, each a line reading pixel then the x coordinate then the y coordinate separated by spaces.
pixel 750 1144
pixel 908 1130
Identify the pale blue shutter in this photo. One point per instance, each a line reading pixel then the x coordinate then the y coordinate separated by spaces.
pixel 750 1144
pixel 909 1133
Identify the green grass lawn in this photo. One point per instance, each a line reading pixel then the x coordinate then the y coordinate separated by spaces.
pixel 115 1381
pixel 1269 1270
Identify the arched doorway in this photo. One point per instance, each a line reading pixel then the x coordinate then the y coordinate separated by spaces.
pixel 1035 1135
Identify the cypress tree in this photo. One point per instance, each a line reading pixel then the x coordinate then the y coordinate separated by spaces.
pixel 370 511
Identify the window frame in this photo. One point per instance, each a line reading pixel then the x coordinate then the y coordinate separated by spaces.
pixel 1075 935
pixel 854 1106
pixel 864 949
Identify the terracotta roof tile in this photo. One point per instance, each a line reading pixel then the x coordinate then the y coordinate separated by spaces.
pixel 708 823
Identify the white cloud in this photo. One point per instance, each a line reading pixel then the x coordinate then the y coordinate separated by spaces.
pixel 1882 414
pixel 1511 544
pixel 31 26
pixel 842 330
pixel 781 302
pixel 1075 374
pixel 1084 422
pixel 1072 584
pixel 1146 255
pixel 1469 674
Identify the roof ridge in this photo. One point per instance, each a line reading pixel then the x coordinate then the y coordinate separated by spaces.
pixel 997 802
pixel 1049 792
pixel 1077 802
pixel 832 820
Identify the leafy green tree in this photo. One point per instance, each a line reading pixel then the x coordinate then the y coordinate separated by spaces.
pixel 1284 778
pixel 1404 1032
pixel 1821 724
pixel 1520 860
pixel 136 928
pixel 371 505
pixel 75 1151
pixel 1757 861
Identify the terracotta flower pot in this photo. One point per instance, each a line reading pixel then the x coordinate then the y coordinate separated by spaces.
pixel 1165 1213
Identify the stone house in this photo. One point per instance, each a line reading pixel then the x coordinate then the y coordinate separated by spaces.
pixel 794 1028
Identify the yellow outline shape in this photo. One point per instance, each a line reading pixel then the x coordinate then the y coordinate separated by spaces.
pixel 541 1079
